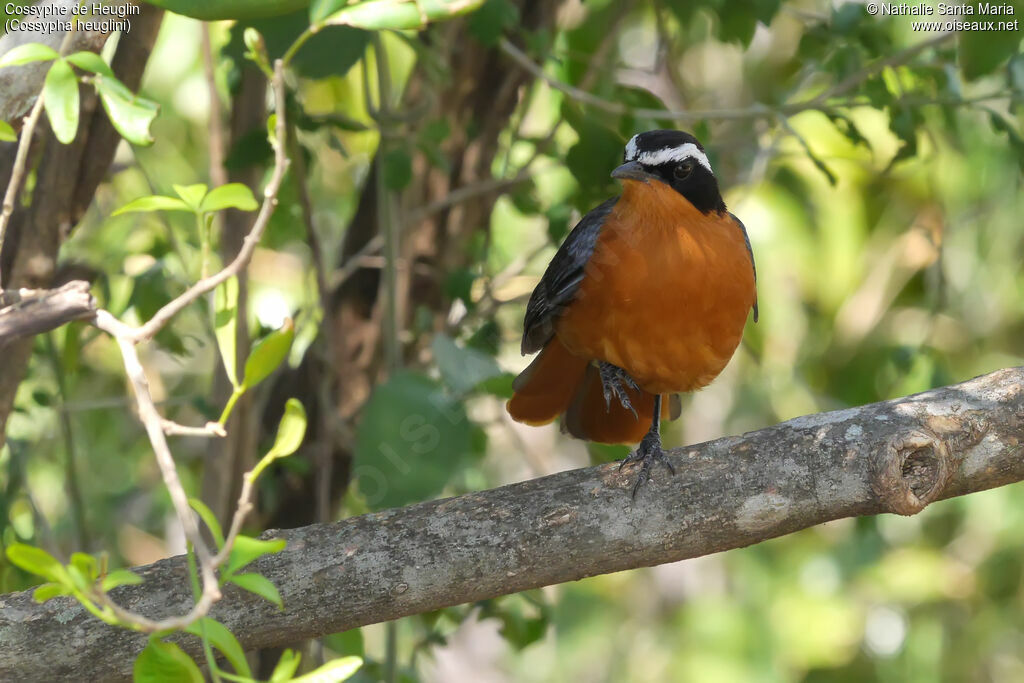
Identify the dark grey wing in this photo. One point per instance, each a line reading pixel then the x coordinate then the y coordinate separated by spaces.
pixel 746 240
pixel 562 278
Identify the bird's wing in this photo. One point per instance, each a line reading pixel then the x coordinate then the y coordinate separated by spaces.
pixel 746 240
pixel 562 278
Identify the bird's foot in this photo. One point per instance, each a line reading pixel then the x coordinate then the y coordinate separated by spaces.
pixel 614 381
pixel 647 453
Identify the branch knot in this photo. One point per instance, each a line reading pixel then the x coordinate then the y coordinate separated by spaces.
pixel 912 471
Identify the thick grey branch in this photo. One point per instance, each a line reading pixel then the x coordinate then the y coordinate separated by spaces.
pixel 897 456
pixel 25 312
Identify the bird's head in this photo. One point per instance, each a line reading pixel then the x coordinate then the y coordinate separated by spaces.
pixel 676 159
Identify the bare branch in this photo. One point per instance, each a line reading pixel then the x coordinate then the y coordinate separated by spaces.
pixel 24 142
pixel 26 312
pixel 896 456
pixel 755 111
pixel 157 427
pixel 241 260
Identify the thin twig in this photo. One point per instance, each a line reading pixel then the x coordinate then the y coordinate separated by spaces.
pixel 754 111
pixel 241 260
pixel 322 445
pixel 71 482
pixel 158 427
pixel 24 142
pixel 218 174
pixel 210 429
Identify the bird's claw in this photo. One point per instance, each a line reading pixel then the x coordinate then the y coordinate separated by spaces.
pixel 612 380
pixel 647 453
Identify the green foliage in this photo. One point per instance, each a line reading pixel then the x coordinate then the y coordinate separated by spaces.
pixel 225 642
pixel 229 9
pixel 412 439
pixel 493 18
pixel 130 114
pixel 258 584
pixel 162 662
pixel 29 52
pixel 462 368
pixel 7 133
pixel 60 98
pixel 209 519
pixel 380 15
pixel 268 354
pixel 225 325
pixel 290 432
pixel 247 549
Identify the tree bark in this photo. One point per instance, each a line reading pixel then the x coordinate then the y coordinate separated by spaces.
pixel 66 179
pixel 896 456
pixel 27 312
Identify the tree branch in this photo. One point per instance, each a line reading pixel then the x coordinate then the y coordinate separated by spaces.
pixel 755 111
pixel 896 456
pixel 26 312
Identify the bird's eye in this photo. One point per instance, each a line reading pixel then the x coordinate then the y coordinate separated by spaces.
pixel 683 169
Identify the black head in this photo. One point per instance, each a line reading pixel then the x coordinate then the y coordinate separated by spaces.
pixel 676 159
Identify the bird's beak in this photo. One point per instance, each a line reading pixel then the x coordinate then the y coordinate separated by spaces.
pixel 632 171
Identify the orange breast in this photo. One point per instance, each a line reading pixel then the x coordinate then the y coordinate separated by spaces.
pixel 666 293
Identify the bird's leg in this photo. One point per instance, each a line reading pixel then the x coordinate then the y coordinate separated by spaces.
pixel 649 451
pixel 612 380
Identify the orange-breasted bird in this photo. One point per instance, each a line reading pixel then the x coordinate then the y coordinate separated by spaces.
pixel 646 298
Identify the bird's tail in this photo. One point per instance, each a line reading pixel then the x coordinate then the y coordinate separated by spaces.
pixel 558 383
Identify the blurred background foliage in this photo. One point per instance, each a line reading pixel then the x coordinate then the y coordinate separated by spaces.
pixel 878 170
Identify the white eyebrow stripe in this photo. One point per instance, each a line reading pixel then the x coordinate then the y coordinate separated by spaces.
pixel 631 149
pixel 668 154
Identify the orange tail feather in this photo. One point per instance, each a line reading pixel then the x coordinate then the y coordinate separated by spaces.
pixel 558 382
pixel 545 388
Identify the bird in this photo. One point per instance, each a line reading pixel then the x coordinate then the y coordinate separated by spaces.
pixel 646 298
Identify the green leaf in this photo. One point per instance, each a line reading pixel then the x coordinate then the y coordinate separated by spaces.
pixel 164 662
pixel 120 577
pixel 29 52
pixel 232 195
pixel 379 15
pixel 247 549
pixel 347 642
pixel 291 429
pixel 225 325
pixel 90 61
pixel 85 564
pixel 153 202
pixel 383 15
pixel 290 432
pixel 286 667
pixel 37 561
pixel 491 20
pixel 192 195
pixel 7 133
pixel 334 671
pixel 60 97
pixel 321 9
pixel 229 9
pixel 269 353
pixel 980 52
pixel 49 590
pixel 260 585
pixel 209 519
pixel 397 169
pixel 224 640
pixel 331 51
pixel 130 114
pixel 413 438
pixel 462 369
